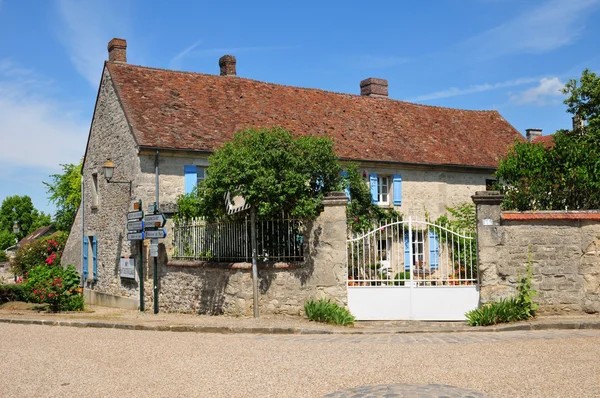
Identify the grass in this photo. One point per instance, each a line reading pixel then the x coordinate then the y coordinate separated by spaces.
pixel 324 310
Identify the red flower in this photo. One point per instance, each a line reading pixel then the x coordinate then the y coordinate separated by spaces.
pixel 51 259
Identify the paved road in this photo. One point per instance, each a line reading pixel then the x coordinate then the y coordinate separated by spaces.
pixel 59 361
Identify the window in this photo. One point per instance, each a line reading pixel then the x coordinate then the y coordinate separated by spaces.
pixel 384 190
pixel 200 174
pixel 490 184
pixel 94 190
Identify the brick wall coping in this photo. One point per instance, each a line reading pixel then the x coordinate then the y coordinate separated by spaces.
pixel 551 215
pixel 231 266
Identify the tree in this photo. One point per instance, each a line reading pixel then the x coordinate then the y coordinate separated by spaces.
pixel 65 192
pixel 566 174
pixel 272 170
pixel 20 209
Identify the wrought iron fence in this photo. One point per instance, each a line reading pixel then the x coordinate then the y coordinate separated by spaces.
pixel 412 253
pixel 277 240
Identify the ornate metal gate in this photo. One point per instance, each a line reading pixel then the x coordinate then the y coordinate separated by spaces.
pixel 412 269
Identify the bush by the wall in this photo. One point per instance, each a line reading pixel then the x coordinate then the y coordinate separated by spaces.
pixel 3 256
pixel 13 292
pixel 324 310
pixel 44 251
pixel 55 286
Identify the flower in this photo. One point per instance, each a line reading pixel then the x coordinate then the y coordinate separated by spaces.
pixel 51 258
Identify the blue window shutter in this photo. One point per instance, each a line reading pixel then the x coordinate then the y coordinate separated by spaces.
pixel 397 190
pixel 406 251
pixel 434 250
pixel 95 257
pixel 347 190
pixel 85 257
pixel 374 189
pixel 191 178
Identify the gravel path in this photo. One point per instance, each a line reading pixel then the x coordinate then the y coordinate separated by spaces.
pixel 56 361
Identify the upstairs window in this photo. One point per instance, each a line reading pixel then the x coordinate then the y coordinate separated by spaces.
pixel 384 190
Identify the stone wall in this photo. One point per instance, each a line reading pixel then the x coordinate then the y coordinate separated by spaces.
pixel 227 288
pixel 565 255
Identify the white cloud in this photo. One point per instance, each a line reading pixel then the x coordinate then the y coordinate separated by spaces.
pixel 544 28
pixel 85 29
pixel 478 88
pixel 175 62
pixel 546 92
pixel 36 130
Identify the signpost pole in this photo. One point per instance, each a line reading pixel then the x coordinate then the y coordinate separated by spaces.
pixel 141 245
pixel 254 266
pixel 156 207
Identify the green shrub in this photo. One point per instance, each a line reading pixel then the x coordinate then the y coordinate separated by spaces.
pixel 3 256
pixel 55 286
pixel 44 251
pixel 16 292
pixel 324 310
pixel 400 277
pixel 502 311
pixel 512 309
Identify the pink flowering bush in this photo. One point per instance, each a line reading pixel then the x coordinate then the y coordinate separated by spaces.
pixel 56 286
pixel 46 251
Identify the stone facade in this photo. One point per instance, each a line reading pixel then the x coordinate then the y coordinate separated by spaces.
pixel 564 249
pixel 429 190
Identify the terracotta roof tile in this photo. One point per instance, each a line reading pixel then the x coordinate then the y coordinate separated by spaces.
pixel 547 140
pixel 192 111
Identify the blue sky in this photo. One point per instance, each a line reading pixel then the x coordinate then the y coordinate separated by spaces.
pixel 508 55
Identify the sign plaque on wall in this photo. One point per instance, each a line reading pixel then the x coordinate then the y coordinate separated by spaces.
pixel 127 269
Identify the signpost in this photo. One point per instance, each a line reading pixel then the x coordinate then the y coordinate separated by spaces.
pixel 155 234
pixel 152 230
pixel 135 231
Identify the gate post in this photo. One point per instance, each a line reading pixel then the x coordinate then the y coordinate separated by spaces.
pixel 489 242
pixel 328 249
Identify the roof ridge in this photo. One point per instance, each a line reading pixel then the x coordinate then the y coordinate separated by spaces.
pixel 125 65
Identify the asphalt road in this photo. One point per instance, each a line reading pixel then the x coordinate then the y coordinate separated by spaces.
pixel 62 361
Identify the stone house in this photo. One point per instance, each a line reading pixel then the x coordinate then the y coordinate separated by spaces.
pixel 151 122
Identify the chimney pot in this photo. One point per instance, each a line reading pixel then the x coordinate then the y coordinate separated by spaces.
pixel 373 87
pixel 532 134
pixel 227 65
pixel 117 50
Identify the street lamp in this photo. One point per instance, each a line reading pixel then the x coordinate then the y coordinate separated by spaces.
pixel 109 169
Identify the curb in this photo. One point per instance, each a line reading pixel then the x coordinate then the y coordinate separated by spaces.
pixel 564 325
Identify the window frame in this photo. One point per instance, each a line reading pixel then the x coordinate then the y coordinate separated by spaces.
pixel 380 193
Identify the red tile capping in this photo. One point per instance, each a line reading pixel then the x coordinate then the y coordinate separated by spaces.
pixel 551 215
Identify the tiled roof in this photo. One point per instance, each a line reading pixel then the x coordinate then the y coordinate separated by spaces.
pixel 547 140
pixel 35 235
pixel 192 111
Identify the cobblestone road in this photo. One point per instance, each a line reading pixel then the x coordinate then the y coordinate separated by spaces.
pixel 58 361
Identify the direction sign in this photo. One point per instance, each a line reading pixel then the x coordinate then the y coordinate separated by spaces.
pixel 135 215
pixel 152 219
pixel 154 248
pixel 135 236
pixel 159 233
pixel 135 225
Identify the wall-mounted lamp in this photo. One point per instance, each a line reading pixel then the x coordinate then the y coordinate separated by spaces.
pixel 109 168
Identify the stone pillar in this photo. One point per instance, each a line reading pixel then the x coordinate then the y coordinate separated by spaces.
pixel 490 245
pixel 328 245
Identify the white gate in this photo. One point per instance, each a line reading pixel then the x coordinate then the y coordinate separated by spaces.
pixel 412 270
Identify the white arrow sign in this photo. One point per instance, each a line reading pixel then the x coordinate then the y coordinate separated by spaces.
pixel 135 236
pixel 135 215
pixel 152 219
pixel 159 233
pixel 135 225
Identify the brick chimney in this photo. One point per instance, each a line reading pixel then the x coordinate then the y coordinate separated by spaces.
pixel 117 50
pixel 532 134
pixel 373 87
pixel 227 65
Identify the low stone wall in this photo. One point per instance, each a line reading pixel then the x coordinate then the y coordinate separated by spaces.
pixel 209 288
pixel 565 255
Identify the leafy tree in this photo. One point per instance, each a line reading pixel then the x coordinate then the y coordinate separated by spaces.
pixel 65 192
pixel 20 209
pixel 272 170
pixel 363 214
pixel 566 174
